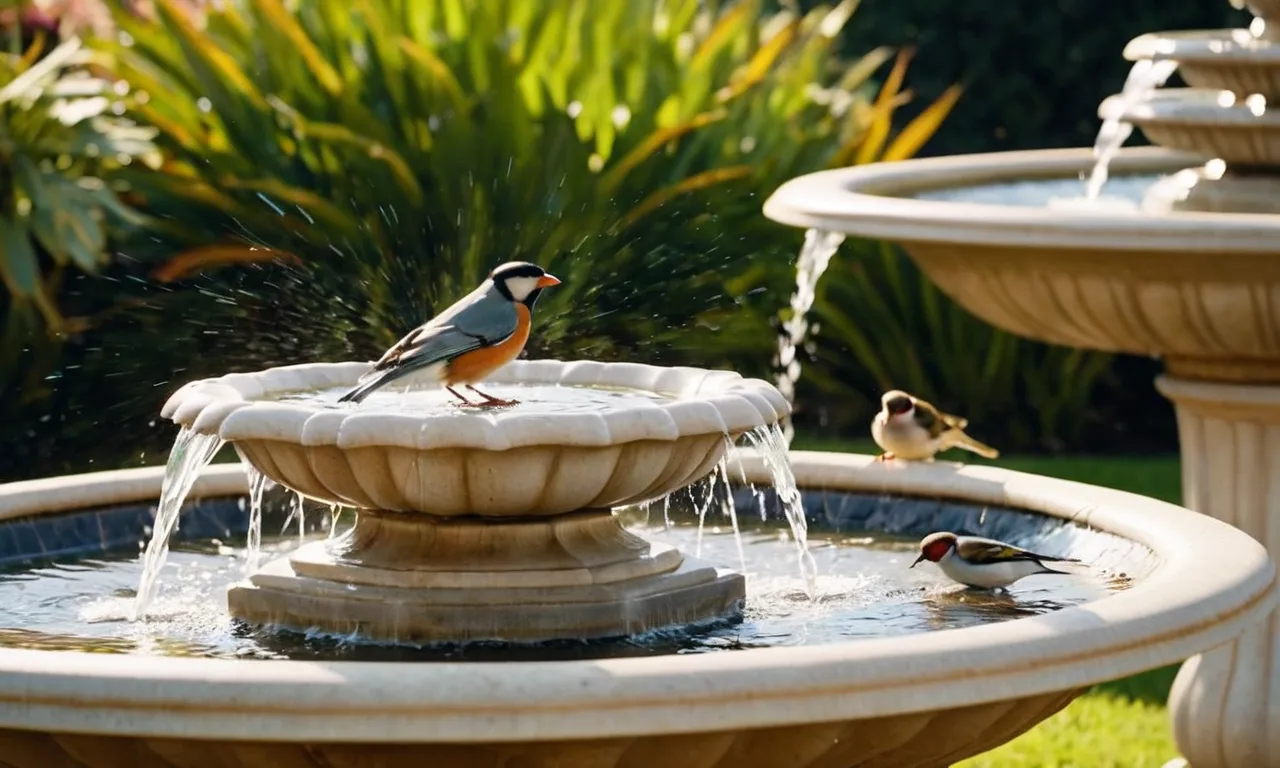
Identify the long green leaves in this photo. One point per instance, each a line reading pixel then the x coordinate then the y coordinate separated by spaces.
pixel 399 151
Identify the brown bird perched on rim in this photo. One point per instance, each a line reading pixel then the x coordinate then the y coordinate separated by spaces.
pixel 910 428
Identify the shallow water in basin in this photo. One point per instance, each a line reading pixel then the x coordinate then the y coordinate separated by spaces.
pixel 1121 193
pixel 533 398
pixel 864 589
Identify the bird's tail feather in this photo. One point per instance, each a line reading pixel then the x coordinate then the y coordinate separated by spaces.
pixel 959 439
pixel 370 382
pixel 1046 569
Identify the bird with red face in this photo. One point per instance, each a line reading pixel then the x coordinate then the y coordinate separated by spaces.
pixel 984 563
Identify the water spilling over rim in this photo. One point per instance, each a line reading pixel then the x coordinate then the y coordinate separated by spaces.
pixel 877 201
pixel 1180 608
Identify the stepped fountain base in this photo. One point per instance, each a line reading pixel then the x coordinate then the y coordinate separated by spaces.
pixel 403 577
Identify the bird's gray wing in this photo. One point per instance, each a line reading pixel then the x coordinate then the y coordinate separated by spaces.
pixel 482 321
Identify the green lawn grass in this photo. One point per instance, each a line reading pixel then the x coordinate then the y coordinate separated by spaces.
pixel 1121 724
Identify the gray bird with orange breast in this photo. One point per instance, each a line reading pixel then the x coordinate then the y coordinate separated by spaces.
pixel 479 334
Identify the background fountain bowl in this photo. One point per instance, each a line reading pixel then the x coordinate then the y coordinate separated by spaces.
pixel 1195 287
pixel 492 463
pixel 919 700
pixel 1225 59
pixel 1203 120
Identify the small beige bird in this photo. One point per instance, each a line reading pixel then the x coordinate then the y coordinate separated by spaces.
pixel 984 563
pixel 910 428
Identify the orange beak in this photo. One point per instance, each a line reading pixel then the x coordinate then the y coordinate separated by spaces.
pixel 548 280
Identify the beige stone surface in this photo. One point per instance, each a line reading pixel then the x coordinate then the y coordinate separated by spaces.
pixel 921 700
pixel 1219 59
pixel 450 464
pixel 1200 289
pixel 410 578
pixel 1207 121
pixel 924 740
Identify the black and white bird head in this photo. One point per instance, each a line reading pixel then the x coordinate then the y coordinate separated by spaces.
pixel 522 282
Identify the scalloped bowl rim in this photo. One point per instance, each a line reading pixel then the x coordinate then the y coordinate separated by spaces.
pixel 869 201
pixel 1190 106
pixel 704 402
pixel 1195 46
pixel 1177 610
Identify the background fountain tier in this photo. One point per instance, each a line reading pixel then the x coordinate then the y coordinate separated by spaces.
pixel 1234 73
pixel 1189 272
pixel 475 524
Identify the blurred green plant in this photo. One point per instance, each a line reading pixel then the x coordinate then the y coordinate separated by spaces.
pixel 384 155
pixel 57 136
pixel 881 325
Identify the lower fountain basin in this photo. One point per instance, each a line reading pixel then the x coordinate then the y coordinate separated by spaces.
pixel 1195 287
pixel 923 699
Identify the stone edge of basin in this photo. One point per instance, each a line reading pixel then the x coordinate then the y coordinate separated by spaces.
pixel 869 201
pixel 1179 609
pixel 704 402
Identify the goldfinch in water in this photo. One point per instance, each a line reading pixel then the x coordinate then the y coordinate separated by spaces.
pixel 984 563
pixel 479 334
pixel 909 428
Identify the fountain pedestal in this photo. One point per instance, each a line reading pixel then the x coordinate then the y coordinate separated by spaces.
pixel 1226 702
pixel 405 577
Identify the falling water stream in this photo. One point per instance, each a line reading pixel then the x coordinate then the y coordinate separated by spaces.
pixel 191 453
pixel 1145 77
pixel 258 483
pixel 815 256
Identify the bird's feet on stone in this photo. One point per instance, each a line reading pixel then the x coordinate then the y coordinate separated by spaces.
pixel 886 456
pixel 492 402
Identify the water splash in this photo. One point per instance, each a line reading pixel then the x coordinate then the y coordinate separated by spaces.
pixel 1145 77
pixel 253 546
pixel 190 454
pixel 772 445
pixel 299 514
pixel 704 507
pixel 728 506
pixel 335 512
pixel 815 256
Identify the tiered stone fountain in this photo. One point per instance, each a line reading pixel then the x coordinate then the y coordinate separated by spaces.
pixel 487 525
pixel 1190 271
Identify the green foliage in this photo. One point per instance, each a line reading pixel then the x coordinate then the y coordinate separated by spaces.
pixel 56 136
pixel 387 154
pixel 881 324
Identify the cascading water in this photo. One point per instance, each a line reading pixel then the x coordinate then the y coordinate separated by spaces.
pixel 1145 77
pixel 191 453
pixel 815 257
pixel 772 445
pixel 257 487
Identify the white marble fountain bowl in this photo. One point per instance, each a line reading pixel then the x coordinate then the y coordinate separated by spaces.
pixel 1211 122
pixel 517 461
pixel 1224 59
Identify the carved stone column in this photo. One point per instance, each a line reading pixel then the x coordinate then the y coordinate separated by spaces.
pixel 1225 703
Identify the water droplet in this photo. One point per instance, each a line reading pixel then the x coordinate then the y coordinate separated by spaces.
pixel 204 105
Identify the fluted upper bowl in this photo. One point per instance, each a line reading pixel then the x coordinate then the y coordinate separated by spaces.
pixel 505 462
